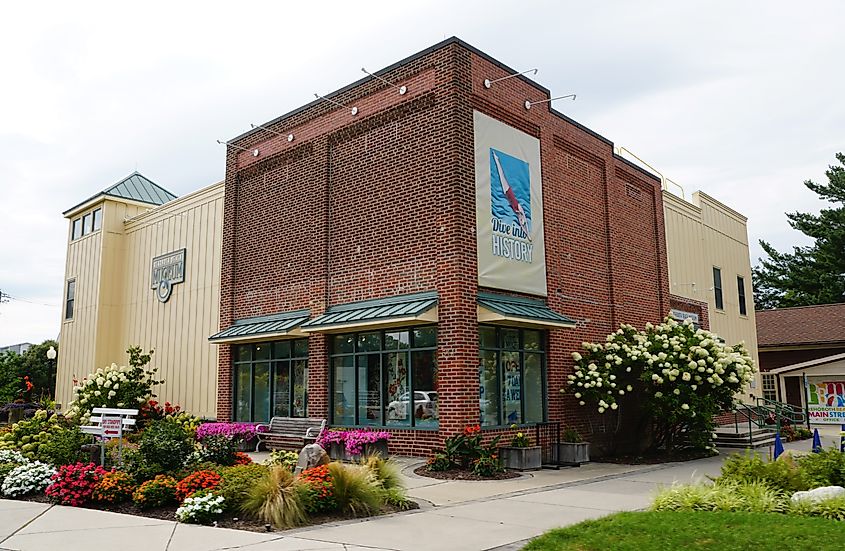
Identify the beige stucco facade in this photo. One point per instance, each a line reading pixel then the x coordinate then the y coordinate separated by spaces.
pixel 115 306
pixel 702 234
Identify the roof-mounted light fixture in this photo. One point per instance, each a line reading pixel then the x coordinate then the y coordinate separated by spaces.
pixel 488 83
pixel 353 110
pixel 253 151
pixel 402 89
pixel 528 103
pixel 288 137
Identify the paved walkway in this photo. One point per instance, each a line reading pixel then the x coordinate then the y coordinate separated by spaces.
pixel 453 515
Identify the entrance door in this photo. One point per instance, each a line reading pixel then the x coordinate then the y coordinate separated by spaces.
pixel 794 388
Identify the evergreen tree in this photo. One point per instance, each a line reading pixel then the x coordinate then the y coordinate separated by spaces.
pixel 814 274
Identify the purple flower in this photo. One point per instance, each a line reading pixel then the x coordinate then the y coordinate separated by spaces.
pixel 243 431
pixel 354 440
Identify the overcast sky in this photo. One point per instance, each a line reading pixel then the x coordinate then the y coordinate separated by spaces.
pixel 743 100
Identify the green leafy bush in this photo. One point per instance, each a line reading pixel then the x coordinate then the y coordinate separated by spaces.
pixel 238 481
pixel 438 462
pixel 277 499
pixel 219 449
pixel 165 444
pixel 157 492
pixel 833 508
pixel 286 459
pixel 64 446
pixel 826 468
pixel 487 466
pixel 756 497
pixel 782 474
pixel 27 436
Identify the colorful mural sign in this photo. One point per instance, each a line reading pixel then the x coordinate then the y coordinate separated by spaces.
pixel 826 402
pixel 509 208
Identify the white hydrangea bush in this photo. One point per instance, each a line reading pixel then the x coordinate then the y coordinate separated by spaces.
pixel 29 478
pixel 200 509
pixel 679 373
pixel 112 386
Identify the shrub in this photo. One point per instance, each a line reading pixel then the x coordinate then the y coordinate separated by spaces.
pixel 201 509
pixel 286 459
pixel 114 386
pixel 64 446
pixel 487 465
pixel 29 435
pixel 318 489
pixel 384 472
pixel 12 456
pixel 114 487
pixel 219 449
pixel 75 484
pixel 277 498
pixel 27 478
pixel 826 468
pixel 756 497
pixel 780 474
pixel 194 482
pixel 438 462
pixel 353 489
pixel 833 508
pixel 165 444
pixel 237 482
pixel 242 459
pixel 157 492
pixel 465 448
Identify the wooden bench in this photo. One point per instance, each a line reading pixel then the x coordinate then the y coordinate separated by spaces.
pixel 289 432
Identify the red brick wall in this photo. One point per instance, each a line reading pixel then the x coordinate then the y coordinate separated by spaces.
pixel 689 305
pixel 383 203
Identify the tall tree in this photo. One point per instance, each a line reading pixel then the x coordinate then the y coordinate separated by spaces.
pixel 814 274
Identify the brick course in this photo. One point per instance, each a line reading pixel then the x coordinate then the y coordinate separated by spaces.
pixel 383 203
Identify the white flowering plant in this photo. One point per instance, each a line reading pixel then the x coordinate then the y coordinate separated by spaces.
pixel 200 509
pixel 115 386
pixel 683 376
pixel 28 478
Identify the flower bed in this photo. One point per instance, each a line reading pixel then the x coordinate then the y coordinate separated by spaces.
pixel 243 431
pixel 351 445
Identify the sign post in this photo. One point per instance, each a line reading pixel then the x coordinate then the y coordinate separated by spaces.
pixel 110 423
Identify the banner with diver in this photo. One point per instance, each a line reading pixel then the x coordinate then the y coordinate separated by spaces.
pixel 509 208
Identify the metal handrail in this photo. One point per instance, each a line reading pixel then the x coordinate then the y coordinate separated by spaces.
pixel 779 409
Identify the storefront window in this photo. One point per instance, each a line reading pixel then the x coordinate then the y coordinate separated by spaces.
pixel 385 378
pixel 270 380
pixel 511 376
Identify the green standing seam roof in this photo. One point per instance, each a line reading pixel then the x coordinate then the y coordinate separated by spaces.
pixel 375 310
pixel 264 325
pixel 135 187
pixel 521 307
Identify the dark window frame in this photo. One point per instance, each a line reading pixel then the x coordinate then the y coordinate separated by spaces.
pixel 272 360
pixel 76 229
pixel 541 351
pixel 97 220
pixel 718 294
pixel 70 298
pixel 381 352
pixel 740 291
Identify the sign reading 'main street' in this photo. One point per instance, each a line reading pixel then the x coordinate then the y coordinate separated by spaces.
pixel 168 269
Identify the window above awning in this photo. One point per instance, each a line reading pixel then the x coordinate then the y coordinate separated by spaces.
pixel 519 311
pixel 384 312
pixel 276 326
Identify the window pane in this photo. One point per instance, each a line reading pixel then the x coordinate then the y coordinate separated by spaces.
pixel 369 389
pixel 424 369
pixel 717 288
pixel 281 350
pixel 86 224
pixel 262 351
pixel 98 219
pixel 512 388
pixel 343 344
pixel 281 393
pixel 261 392
pixel 740 285
pixel 397 340
pixel 343 391
pixel 533 394
pixel 510 339
pixel 489 391
pixel 71 292
pixel 487 337
pixel 300 388
pixel 531 340
pixel 242 391
pixel 398 398
pixel 300 348
pixel 77 229
pixel 368 342
pixel 425 337
pixel 244 353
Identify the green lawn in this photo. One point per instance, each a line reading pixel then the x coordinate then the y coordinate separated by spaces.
pixel 670 530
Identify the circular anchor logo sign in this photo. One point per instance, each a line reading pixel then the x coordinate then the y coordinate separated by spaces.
pixel 167 270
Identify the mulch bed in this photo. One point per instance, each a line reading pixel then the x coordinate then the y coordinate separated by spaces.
pixel 655 458
pixel 462 474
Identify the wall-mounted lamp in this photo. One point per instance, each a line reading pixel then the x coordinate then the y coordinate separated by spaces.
pixel 402 89
pixel 253 151
pixel 528 103
pixel 353 110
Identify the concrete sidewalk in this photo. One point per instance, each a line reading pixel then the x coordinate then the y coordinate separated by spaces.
pixel 453 515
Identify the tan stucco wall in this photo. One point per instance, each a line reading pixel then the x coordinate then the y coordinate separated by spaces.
pixel 121 309
pixel 702 234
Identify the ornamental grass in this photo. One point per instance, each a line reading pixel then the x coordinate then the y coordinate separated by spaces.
pixel 354 490
pixel 277 499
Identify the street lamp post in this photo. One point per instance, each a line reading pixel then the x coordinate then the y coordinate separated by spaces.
pixel 51 355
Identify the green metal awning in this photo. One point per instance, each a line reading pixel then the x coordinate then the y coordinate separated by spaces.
pixel 285 324
pixel 519 311
pixel 403 309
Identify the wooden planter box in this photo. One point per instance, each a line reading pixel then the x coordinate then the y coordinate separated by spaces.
pixel 521 459
pixel 337 451
pixel 573 453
